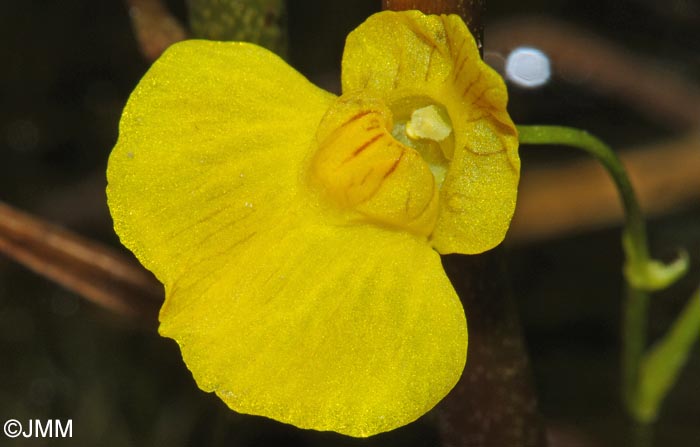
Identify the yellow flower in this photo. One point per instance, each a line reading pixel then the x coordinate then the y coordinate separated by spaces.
pixel 298 233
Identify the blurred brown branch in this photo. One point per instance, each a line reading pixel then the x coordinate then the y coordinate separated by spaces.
pixel 154 27
pixel 93 271
pixel 580 196
pixel 580 56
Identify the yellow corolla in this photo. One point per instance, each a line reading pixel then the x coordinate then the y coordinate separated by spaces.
pixel 298 233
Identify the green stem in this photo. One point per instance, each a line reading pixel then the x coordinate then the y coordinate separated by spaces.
pixel 663 363
pixel 634 242
pixel 635 228
pixel 634 341
pixel 646 378
pixel 641 271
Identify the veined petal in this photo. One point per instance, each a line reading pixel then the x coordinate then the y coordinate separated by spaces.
pixel 211 148
pixel 353 329
pixel 411 55
pixel 279 307
pixel 360 166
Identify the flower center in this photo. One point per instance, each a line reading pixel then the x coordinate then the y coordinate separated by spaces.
pixel 426 127
pixel 385 163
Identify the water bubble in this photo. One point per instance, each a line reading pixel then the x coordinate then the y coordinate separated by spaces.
pixel 528 67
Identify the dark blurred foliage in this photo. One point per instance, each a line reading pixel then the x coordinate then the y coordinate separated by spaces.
pixel 67 69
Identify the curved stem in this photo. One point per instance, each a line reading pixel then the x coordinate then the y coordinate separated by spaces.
pixel 635 228
pixel 634 241
pixel 641 271
pixel 646 377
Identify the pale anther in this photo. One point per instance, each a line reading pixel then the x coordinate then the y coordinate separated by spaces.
pixel 428 123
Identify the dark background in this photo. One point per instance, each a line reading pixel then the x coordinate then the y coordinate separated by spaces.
pixel 67 68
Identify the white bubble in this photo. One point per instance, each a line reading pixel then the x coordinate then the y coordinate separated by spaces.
pixel 527 67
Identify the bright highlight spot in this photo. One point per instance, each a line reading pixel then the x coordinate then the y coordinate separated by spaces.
pixel 427 122
pixel 528 67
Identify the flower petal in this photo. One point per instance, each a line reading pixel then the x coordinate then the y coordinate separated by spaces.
pixel 282 307
pixel 211 147
pixel 409 54
pixel 353 329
